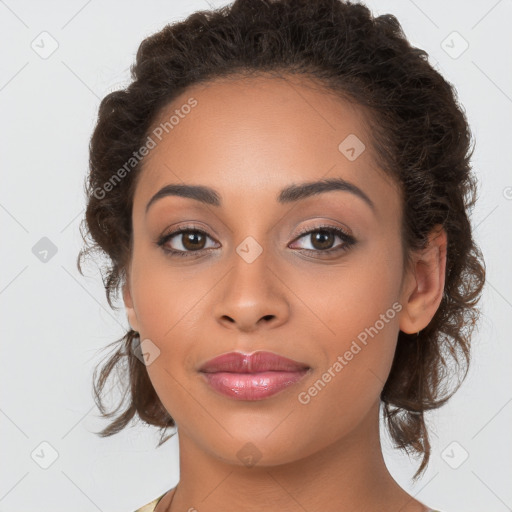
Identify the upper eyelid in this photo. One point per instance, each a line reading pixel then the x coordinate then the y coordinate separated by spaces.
pixel 306 231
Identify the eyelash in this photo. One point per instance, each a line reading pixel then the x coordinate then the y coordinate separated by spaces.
pixel 345 237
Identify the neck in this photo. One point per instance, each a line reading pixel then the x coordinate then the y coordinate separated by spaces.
pixel 347 475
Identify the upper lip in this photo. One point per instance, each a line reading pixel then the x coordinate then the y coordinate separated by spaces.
pixel 238 362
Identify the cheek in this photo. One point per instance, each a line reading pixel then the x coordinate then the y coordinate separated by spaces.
pixel 165 297
pixel 345 299
pixel 168 316
pixel 357 359
pixel 168 306
pixel 356 317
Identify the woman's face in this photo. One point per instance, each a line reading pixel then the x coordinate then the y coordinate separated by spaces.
pixel 251 281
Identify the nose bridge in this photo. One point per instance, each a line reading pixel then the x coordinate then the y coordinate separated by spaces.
pixel 251 267
pixel 251 294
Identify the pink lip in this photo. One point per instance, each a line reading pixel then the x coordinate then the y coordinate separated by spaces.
pixel 252 376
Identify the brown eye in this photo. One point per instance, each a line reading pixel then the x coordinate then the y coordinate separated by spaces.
pixel 183 242
pixel 193 240
pixel 322 239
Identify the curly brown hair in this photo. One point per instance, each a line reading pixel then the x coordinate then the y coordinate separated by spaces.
pixel 419 133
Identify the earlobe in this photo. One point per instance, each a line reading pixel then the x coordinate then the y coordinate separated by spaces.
pixel 128 304
pixel 422 297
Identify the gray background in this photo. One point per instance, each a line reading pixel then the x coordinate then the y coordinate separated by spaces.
pixel 55 322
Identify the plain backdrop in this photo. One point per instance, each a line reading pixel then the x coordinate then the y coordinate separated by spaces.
pixel 55 322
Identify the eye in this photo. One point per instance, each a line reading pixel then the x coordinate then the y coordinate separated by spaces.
pixel 189 239
pixel 322 239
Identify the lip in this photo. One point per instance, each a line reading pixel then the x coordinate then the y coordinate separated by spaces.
pixel 252 376
pixel 238 362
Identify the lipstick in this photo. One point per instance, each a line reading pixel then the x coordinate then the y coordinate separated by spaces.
pixel 252 376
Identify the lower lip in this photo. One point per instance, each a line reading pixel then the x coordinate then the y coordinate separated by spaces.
pixel 252 386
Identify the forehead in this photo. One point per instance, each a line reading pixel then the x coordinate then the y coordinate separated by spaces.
pixel 254 136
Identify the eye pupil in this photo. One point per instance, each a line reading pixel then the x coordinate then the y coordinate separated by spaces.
pixel 192 237
pixel 326 239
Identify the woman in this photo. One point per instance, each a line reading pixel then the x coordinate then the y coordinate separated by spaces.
pixel 283 192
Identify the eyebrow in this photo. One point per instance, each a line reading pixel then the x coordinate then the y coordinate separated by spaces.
pixel 289 194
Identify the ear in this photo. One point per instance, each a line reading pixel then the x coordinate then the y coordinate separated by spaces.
pixel 424 284
pixel 128 304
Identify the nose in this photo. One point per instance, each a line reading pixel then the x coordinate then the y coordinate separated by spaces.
pixel 251 297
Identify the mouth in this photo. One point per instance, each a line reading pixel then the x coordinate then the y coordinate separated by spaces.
pixel 252 376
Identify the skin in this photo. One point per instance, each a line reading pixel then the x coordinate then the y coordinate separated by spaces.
pixel 248 139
